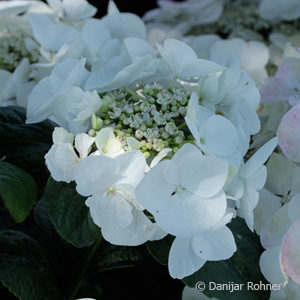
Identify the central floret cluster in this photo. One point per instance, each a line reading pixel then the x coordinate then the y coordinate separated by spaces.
pixel 151 114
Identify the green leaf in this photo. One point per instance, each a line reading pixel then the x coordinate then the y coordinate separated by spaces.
pixel 24 269
pixel 114 257
pixel 18 190
pixel 160 249
pixel 24 145
pixel 69 214
pixel 241 268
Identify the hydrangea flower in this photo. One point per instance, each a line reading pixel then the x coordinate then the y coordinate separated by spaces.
pixel 185 196
pixel 253 56
pixel 279 236
pixel 43 99
pixel 280 9
pixel 112 201
pixel 190 13
pixel 50 34
pixel 136 62
pixel 250 178
pixel 285 85
pixel 214 134
pixel 72 10
pixel 62 159
pixel 288 134
pixel 182 61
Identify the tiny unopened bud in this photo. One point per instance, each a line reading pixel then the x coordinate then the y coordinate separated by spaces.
pixel 178 140
pixel 92 132
pixel 139 134
pixel 97 122
pixel 147 154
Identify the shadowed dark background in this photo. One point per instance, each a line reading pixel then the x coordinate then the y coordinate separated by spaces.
pixel 139 8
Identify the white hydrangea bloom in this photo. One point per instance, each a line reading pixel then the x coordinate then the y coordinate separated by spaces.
pixel 279 263
pixel 251 178
pixel 253 56
pixel 112 201
pixel 182 61
pixel 72 10
pixel 185 196
pixel 136 62
pixel 107 143
pixel 50 34
pixel 280 9
pixel 61 159
pixel 214 134
pixel 44 97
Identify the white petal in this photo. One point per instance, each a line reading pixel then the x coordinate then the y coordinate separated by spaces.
pixel 61 161
pixel 290 253
pixel 110 211
pixel 61 136
pixel 215 244
pixel 107 143
pixel 294 208
pixel 112 8
pixel 132 167
pixel 247 204
pixel 95 34
pixel 40 100
pixel 138 232
pixel 124 25
pixel 272 233
pixel 258 158
pixel 269 263
pixel 138 47
pixel 83 143
pixel 51 35
pixel 268 204
pixel 4 79
pixel 161 155
pixel 182 259
pixel 95 174
pixel 13 7
pixel 221 137
pixel 280 172
pixel 79 9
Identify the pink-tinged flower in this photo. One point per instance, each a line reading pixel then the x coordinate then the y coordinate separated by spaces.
pixel 290 252
pixel 288 134
pixel 285 85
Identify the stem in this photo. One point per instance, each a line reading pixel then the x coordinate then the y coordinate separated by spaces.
pixel 85 267
pixel 172 82
pixel 133 94
pixel 181 125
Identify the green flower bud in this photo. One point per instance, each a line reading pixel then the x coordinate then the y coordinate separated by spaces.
pixel 97 122
pixel 105 104
pixel 92 132
pixel 136 108
pixel 174 108
pixel 147 154
pixel 106 122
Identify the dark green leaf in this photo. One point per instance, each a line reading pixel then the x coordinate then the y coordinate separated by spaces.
pixel 115 257
pixel 160 249
pixel 69 214
pixel 24 269
pixel 241 268
pixel 24 145
pixel 18 190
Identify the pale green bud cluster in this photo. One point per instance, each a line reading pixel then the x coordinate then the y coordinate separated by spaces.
pixel 241 19
pixel 151 114
pixel 14 43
